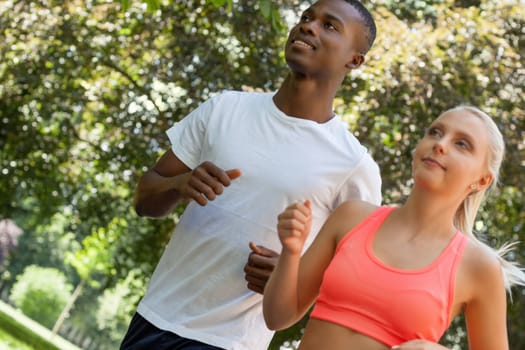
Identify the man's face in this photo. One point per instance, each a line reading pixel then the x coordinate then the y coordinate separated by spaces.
pixel 327 41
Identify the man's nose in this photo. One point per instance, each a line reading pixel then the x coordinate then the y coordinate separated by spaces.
pixel 309 27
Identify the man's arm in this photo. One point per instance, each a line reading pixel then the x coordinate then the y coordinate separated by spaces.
pixel 162 187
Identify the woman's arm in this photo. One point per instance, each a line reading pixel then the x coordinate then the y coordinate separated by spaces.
pixel 281 305
pixel 295 282
pixel 486 312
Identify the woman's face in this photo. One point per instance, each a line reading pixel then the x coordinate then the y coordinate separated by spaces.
pixel 453 153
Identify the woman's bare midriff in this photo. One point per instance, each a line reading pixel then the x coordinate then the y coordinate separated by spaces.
pixel 325 335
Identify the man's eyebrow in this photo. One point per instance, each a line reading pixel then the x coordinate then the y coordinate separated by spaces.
pixel 334 17
pixel 326 15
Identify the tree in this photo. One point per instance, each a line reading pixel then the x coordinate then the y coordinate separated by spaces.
pixel 267 8
pixel 40 293
pixel 86 92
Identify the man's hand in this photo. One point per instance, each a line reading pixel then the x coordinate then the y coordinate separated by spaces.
pixel 259 267
pixel 207 181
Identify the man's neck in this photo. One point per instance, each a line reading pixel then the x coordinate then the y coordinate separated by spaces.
pixel 306 99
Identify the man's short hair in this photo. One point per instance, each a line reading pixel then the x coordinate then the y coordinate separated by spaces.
pixel 368 22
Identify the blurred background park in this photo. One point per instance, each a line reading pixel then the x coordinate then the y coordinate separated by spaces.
pixel 87 89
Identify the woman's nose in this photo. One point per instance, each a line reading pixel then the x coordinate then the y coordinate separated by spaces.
pixel 439 147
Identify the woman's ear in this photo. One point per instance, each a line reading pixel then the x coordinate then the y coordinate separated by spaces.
pixel 485 181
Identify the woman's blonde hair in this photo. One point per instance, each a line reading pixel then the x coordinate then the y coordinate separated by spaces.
pixel 467 211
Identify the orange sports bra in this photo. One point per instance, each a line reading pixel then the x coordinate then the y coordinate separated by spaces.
pixel 388 304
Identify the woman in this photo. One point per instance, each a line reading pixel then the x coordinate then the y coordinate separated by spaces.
pixel 394 277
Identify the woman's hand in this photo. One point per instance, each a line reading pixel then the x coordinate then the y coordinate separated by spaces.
pixel 419 344
pixel 293 226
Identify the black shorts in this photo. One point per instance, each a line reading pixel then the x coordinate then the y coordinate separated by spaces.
pixel 142 335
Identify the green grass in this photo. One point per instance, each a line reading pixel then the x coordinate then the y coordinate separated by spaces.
pixel 14 326
pixel 8 342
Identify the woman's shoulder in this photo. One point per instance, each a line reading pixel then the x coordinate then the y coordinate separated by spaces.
pixel 483 267
pixel 356 208
pixel 479 257
pixel 350 213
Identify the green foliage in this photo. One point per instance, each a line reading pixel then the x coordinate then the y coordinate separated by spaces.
pixel 116 305
pixel 268 9
pixel 413 10
pixel 96 253
pixel 41 293
pixel 86 93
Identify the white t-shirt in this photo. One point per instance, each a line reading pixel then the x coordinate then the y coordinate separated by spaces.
pixel 198 289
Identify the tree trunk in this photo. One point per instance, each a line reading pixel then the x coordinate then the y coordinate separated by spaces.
pixel 67 308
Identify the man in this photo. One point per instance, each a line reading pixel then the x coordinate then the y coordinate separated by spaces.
pixel 241 158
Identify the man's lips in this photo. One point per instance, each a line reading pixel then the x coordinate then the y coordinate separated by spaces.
pixel 432 161
pixel 304 43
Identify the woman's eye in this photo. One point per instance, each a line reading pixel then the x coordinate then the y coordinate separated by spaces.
pixel 463 144
pixel 433 132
